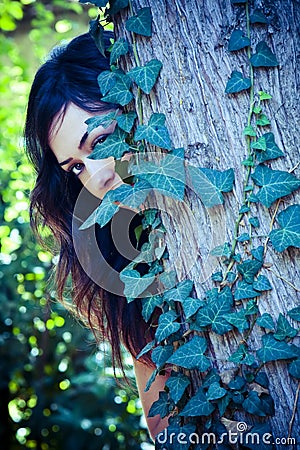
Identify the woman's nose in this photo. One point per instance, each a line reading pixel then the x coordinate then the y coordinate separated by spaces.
pixel 101 172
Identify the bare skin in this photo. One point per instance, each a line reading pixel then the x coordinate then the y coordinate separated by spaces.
pixel 71 145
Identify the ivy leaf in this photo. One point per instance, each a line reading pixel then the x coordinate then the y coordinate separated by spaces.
pixel 237 83
pixel 238 319
pixel 271 150
pixel 248 269
pixel 262 284
pixel 258 17
pixel 99 3
pixel 120 47
pixel 161 406
pixel 126 121
pixel 102 215
pixel 105 120
pixel 212 313
pixel 262 120
pixel 294 368
pixel 166 325
pixel 161 354
pixel 180 292
pixel 254 222
pixel 264 95
pixel 168 279
pixel 260 144
pixel 106 80
pixel 238 41
pixel 249 131
pixel 263 56
pixel 274 184
pixel 119 92
pixel 258 253
pixel 141 23
pixel 215 391
pixel 266 321
pixel 289 233
pixel 177 383
pixel 253 404
pixel 96 31
pixel 114 145
pixel 146 76
pixel 155 132
pixel 191 305
pixel 245 290
pixel 146 349
pixel 117 5
pixel 198 406
pixel 190 355
pixel 295 313
pixel 167 176
pixel 134 283
pixel 209 184
pixel 284 329
pixel 149 305
pixel 222 250
pixel 241 356
pixel 273 350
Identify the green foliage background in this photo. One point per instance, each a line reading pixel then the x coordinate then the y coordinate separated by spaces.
pixel 56 388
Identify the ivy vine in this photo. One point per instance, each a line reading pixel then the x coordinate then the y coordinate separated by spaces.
pixel 184 322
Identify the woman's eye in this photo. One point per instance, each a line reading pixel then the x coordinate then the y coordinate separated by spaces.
pixel 99 140
pixel 77 169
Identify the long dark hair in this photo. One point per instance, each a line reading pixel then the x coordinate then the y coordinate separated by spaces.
pixel 70 76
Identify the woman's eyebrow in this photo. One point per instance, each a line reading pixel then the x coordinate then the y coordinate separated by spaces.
pixel 83 139
pixel 63 163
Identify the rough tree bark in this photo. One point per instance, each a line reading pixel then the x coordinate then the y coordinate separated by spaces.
pixel 190 37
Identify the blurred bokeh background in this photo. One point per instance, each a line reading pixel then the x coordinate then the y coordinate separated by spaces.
pixel 57 390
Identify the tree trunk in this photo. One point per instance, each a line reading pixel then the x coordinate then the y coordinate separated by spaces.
pixel 190 38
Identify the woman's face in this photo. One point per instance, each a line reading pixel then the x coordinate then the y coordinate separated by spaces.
pixel 71 144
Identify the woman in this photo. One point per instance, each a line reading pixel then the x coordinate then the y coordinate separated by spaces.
pixel 64 94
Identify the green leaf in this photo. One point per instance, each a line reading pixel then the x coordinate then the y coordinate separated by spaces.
pixel 245 290
pixel 190 355
pixel 106 80
pixel 103 214
pixel 271 150
pixel 258 253
pixel 212 313
pixel 167 176
pixel 198 406
pixel 177 383
pixel 119 93
pixel 262 120
pixel 117 5
pixel 294 368
pixel 141 23
pixel 249 131
pixel 254 222
pixel 259 144
pixel 146 349
pixel 209 184
pixel 258 17
pixel 237 83
pixel 274 350
pixel 161 406
pixel 254 404
pixel 146 76
pixel 120 48
pixel 243 237
pixel 263 56
pixel 134 283
pixel 180 292
pixel 215 391
pixel 126 121
pixel 238 319
pixel 217 276
pixel 266 321
pixel 166 325
pixel 114 145
pixel 264 95
pixel 222 250
pixel 274 184
pixel 284 329
pixel 295 313
pixel 241 356
pixel 161 354
pixel 155 132
pixel 168 279
pixel 248 269
pixel 105 120
pixel 238 41
pixel 262 284
pixel 99 3
pixel 96 31
pixel 149 304
pixel 191 305
pixel 251 307
pixel 289 232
